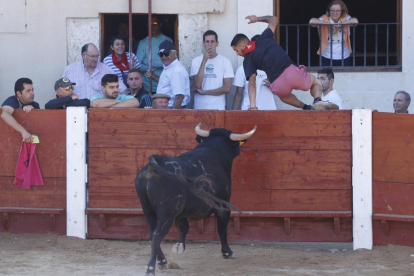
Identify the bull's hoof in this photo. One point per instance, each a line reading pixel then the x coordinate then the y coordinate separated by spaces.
pixel 150 271
pixel 163 265
pixel 229 256
pixel 178 248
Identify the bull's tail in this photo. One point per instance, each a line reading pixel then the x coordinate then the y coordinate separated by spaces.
pixel 197 186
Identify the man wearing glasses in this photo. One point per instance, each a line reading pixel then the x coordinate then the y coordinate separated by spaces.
pixel 174 80
pixel 88 73
pixel 65 96
pixel 143 53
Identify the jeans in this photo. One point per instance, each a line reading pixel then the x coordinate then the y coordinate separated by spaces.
pixel 336 62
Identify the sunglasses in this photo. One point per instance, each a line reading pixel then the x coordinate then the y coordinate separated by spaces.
pixel 163 54
pixel 68 88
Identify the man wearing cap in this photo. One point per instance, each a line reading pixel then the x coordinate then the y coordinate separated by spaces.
pixel 174 80
pixel 65 96
pixel 160 101
pixel 110 96
pixel 23 98
pixel 88 73
pixel 143 53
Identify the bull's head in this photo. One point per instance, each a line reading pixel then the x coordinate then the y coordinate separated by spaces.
pixel 241 138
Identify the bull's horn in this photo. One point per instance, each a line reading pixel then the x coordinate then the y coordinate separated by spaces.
pixel 202 133
pixel 241 137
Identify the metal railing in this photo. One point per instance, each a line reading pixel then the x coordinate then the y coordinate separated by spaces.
pixel 373 44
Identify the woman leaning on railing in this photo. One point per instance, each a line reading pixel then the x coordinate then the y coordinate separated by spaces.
pixel 334 33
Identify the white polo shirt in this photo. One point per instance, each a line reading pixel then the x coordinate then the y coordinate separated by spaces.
pixel 174 80
pixel 264 96
pixel 216 70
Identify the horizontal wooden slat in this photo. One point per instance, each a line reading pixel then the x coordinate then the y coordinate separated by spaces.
pixel 393 217
pixel 296 214
pixel 32 210
pixel 292 200
pixel 50 126
pixel 393 198
pixel 50 195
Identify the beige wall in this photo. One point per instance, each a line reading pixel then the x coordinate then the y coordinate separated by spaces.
pixel 40 52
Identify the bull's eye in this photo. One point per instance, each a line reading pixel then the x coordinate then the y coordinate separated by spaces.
pixel 241 143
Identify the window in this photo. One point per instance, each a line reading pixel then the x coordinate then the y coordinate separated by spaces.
pixel 376 41
pixel 112 24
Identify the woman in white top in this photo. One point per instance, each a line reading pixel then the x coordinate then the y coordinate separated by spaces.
pixel 330 28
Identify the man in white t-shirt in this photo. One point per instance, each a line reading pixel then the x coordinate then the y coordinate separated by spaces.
pixel 212 74
pixel 264 96
pixel 327 79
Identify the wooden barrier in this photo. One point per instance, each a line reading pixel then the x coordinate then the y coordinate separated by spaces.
pixel 39 209
pixel 393 179
pixel 292 180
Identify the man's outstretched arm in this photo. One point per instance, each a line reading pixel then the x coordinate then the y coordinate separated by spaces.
pixel 272 20
pixel 7 116
pixel 252 92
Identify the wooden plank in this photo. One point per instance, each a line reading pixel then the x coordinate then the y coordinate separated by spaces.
pixel 145 117
pixel 393 198
pixel 301 230
pixel 114 201
pixel 287 117
pixel 35 224
pixel 122 161
pixel 400 233
pixel 50 126
pixel 296 214
pixel 32 210
pixel 393 217
pixel 292 200
pixel 287 169
pixel 50 195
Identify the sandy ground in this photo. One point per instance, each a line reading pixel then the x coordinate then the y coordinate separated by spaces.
pixel 48 254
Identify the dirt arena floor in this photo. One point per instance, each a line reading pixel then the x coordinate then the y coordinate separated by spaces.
pixel 53 255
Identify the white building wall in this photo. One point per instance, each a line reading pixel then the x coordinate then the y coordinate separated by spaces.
pixel 40 52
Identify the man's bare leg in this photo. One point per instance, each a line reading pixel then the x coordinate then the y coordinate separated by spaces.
pixel 316 88
pixel 292 100
pixel 316 92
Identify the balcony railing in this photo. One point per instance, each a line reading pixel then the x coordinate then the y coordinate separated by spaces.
pixel 374 45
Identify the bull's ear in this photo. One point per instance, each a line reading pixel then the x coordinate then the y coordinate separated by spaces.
pixel 199 139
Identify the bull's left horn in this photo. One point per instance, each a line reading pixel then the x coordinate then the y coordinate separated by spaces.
pixel 241 137
pixel 202 133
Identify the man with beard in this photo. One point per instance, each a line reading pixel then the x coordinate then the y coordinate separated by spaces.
pixel 110 96
pixel 327 78
pixel 23 98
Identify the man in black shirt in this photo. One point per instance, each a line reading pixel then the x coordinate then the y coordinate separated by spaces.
pixel 284 76
pixel 23 98
pixel 134 80
pixel 65 96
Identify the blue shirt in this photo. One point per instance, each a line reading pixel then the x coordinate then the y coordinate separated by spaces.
pixel 120 97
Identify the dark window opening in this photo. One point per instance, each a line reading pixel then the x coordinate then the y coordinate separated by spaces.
pixel 375 44
pixel 111 22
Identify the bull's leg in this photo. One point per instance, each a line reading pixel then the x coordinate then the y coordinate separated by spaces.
pixel 222 222
pixel 163 227
pixel 183 227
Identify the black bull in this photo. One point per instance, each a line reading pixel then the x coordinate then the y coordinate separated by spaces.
pixel 193 185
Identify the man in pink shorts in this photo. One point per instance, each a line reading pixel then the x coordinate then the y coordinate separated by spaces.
pixel 265 54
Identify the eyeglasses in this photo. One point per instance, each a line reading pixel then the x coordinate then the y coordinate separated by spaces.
pixel 68 88
pixel 163 54
pixel 335 11
pixel 92 56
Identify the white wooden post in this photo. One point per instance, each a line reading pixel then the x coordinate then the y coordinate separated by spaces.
pixel 362 178
pixel 76 171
